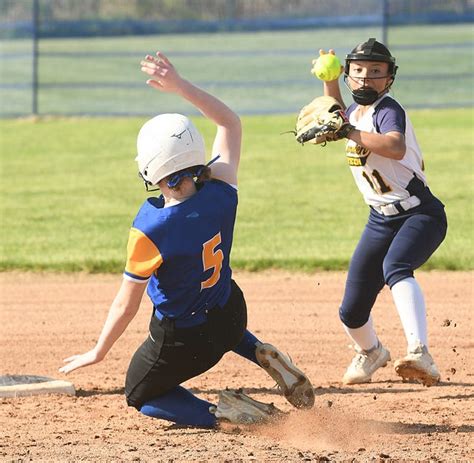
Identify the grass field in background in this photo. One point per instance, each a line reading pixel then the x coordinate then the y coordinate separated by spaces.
pixel 258 72
pixel 69 192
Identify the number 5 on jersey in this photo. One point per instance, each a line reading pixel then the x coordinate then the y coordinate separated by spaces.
pixel 212 259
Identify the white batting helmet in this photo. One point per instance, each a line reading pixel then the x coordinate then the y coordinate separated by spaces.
pixel 167 144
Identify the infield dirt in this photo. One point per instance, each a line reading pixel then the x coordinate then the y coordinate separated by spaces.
pixel 46 318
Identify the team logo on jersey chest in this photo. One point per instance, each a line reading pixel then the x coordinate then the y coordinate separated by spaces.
pixel 356 155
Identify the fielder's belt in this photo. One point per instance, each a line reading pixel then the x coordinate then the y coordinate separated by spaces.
pixel 398 206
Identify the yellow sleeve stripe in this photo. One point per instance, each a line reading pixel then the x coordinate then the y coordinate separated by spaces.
pixel 143 257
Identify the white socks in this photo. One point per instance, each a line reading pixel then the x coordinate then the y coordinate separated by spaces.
pixel 364 336
pixel 410 304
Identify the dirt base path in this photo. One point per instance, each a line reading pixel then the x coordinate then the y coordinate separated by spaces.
pixel 45 318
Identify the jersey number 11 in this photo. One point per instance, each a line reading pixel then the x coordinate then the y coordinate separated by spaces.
pixel 376 182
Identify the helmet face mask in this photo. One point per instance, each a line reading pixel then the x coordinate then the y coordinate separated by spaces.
pixel 370 51
pixel 166 144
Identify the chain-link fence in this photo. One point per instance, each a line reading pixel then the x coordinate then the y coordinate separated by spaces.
pixel 69 57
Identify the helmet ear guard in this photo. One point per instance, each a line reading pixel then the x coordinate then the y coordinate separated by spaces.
pixel 193 172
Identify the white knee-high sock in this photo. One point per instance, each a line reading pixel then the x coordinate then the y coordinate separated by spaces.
pixel 363 336
pixel 410 304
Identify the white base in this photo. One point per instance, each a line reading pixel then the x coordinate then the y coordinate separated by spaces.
pixel 47 387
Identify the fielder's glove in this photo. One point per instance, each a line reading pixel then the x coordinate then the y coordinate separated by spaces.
pixel 321 121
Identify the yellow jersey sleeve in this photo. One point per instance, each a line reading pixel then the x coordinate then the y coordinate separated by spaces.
pixel 143 257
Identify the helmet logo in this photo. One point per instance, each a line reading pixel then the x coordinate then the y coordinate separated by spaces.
pixel 180 135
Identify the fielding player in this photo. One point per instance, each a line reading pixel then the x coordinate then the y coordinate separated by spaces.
pixel 406 222
pixel 179 248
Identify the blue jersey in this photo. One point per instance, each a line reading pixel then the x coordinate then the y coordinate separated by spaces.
pixel 183 251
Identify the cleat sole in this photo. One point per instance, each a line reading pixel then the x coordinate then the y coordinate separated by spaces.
pixel 295 386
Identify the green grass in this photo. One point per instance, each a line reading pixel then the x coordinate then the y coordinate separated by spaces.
pixel 69 192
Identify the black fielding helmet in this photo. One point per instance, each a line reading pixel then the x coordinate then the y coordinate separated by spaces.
pixel 371 51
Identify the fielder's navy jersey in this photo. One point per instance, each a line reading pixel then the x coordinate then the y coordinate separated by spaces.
pixel 382 180
pixel 183 250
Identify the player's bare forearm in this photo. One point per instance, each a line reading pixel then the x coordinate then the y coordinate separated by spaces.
pixel 227 142
pixel 121 313
pixel 391 145
pixel 117 321
pixel 213 108
pixel 332 88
